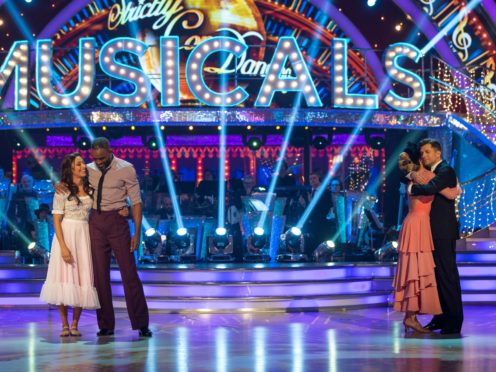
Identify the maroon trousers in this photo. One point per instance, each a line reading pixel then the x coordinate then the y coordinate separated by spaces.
pixel 109 231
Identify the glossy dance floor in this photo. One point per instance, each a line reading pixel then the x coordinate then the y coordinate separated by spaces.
pixel 356 340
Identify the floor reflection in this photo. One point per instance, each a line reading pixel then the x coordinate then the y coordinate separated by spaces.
pixel 366 339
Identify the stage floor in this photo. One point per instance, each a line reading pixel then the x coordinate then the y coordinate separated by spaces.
pixel 357 340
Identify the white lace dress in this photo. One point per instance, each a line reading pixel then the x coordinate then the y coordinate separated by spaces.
pixel 71 284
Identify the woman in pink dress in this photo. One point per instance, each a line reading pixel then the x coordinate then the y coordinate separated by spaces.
pixel 415 290
pixel 69 279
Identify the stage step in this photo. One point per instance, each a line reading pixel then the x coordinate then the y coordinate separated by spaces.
pixel 259 287
pixel 480 244
pixel 8 257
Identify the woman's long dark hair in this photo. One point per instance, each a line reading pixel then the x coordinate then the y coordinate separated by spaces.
pixel 66 178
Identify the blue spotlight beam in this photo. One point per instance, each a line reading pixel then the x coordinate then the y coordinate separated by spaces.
pixel 165 164
pixel 344 151
pixel 287 135
pixel 31 146
pixel 454 21
pixel 222 170
pixel 414 136
pixel 222 155
pixel 335 167
pixel 22 25
pixel 284 146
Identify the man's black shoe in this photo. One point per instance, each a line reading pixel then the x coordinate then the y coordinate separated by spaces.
pixel 145 332
pixel 450 331
pixel 432 326
pixel 105 332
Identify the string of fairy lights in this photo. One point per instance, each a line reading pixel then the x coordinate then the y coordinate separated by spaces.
pixel 477 204
pixel 466 95
pixel 469 96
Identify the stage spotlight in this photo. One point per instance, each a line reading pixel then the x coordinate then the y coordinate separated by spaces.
pixel 152 143
pixel 220 246
pixel 221 240
pixel 325 252
pixel 376 141
pixel 320 142
pixel 293 238
pixel 37 252
pixel 371 3
pixel 388 252
pixel 153 245
pixel 257 246
pixel 84 143
pixel 19 145
pixel 259 238
pixel 182 248
pixel 292 246
pixel 254 142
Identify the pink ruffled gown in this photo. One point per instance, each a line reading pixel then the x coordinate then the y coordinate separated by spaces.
pixel 414 284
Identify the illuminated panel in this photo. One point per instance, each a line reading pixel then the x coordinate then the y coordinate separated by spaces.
pixel 169 62
pixel 194 72
pixel 341 97
pixel 118 70
pixel 280 79
pixel 45 79
pixel 391 56
pixel 17 62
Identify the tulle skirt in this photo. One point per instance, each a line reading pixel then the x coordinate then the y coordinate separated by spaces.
pixel 414 284
pixel 71 284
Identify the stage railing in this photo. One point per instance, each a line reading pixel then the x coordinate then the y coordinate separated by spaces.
pixel 477 204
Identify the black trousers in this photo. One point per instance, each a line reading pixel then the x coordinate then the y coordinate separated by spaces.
pixel 448 284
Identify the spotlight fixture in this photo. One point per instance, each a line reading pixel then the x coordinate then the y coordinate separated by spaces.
pixel 320 142
pixel 221 239
pixel 38 252
pixel 388 252
pixel 254 142
pixel 324 252
pixel 220 246
pixel 292 246
pixel 19 145
pixel 182 248
pixel 375 140
pixel 153 243
pixel 293 237
pixel 83 143
pixel 152 143
pixel 257 246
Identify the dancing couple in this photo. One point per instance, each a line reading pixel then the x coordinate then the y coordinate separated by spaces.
pixel 427 279
pixel 90 210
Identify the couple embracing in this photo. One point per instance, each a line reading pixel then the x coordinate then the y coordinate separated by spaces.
pixel 427 279
pixel 89 209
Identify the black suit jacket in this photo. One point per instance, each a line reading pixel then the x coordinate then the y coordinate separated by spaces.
pixel 444 224
pixel 317 223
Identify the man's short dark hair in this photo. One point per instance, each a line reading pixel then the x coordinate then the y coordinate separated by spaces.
pixel 430 141
pixel 100 143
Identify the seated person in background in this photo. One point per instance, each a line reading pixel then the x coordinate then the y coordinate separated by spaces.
pixel 317 225
pixel 208 186
pixel 248 185
pixel 165 211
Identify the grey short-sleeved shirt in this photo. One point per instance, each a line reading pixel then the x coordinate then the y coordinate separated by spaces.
pixel 120 182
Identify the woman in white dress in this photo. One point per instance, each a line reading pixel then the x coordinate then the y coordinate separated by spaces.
pixel 69 279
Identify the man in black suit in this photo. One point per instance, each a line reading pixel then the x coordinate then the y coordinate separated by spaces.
pixel 444 227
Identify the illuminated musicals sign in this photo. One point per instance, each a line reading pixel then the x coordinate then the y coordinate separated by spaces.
pixel 276 79
pixel 173 46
